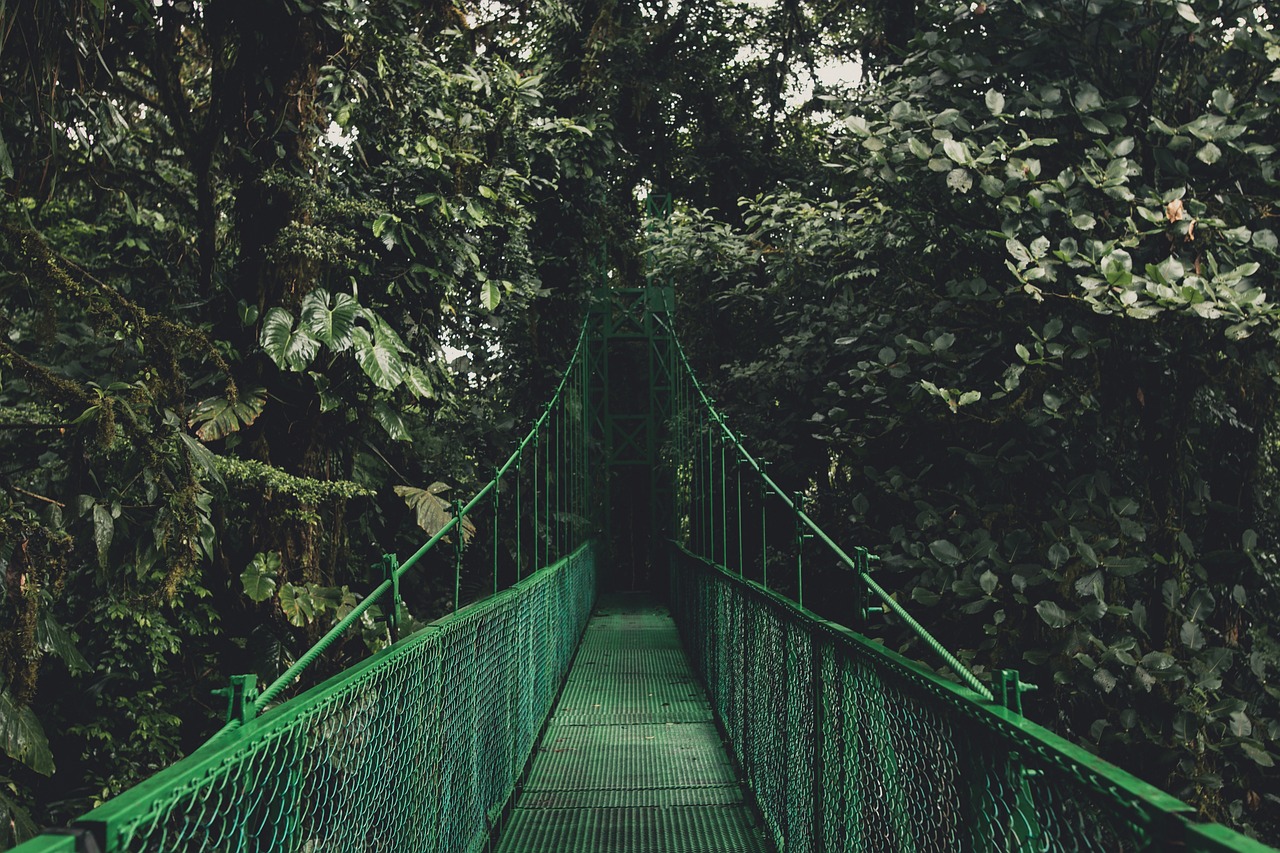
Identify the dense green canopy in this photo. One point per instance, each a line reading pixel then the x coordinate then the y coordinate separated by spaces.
pixel 999 300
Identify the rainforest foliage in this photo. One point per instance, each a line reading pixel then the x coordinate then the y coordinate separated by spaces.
pixel 273 274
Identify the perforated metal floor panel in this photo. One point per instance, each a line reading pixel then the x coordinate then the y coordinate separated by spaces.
pixel 631 761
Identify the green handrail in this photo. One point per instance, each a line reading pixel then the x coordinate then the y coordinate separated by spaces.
pixel 246 787
pixel 289 676
pixel 714 416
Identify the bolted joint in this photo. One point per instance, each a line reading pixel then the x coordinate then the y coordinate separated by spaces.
pixel 1008 689
pixel 390 567
pixel 240 694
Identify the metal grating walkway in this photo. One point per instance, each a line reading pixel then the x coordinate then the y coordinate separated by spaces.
pixel 631 761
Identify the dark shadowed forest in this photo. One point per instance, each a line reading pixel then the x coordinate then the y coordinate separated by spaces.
pixel 988 282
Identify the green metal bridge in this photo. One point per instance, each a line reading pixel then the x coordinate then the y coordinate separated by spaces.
pixel 712 714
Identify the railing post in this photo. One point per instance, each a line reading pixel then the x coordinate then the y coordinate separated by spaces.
pixel 801 536
pixel 764 526
pixel 457 553
pixel 497 509
pixel 819 745
pixel 862 610
pixel 1025 831
pixel 240 694
pixel 390 563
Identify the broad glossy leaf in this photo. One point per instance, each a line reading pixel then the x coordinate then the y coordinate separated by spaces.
pixel 53 639
pixel 490 295
pixel 218 417
pixel 945 552
pixel 330 318
pixel 434 512
pixel 391 421
pixel 417 381
pixel 956 150
pixel 259 577
pixel 380 362
pixel 1053 615
pixel 22 736
pixel 297 605
pixel 290 348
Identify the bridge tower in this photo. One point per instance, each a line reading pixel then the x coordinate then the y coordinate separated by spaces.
pixel 632 357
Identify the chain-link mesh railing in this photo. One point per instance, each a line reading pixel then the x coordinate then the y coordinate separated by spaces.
pixel 418 748
pixel 847 746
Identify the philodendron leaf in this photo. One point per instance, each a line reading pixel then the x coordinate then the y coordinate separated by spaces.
pixel 22 737
pixel 434 512
pixel 417 381
pixel 290 348
pixel 297 605
pixel 391 421
pixel 330 318
pixel 259 577
pixel 379 360
pixel 218 417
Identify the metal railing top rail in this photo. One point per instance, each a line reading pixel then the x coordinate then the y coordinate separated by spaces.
pixel 117 818
pixel 1164 815
pixel 289 676
pixel 247 711
pixel 855 566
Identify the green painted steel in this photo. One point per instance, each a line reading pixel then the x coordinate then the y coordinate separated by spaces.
pixel 420 746
pixel 849 746
pixel 416 748
pixel 844 745
pixel 631 761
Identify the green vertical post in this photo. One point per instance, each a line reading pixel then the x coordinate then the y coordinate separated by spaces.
pixel 497 514
pixel 1026 830
pixel 547 498
pixel 799 501
pixel 390 563
pixel 457 553
pixel 742 557
pixel 724 497
pixel 711 489
pixel 764 526
pixel 819 745
pixel 519 518
pixel 537 468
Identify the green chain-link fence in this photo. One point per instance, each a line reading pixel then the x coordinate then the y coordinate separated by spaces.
pixel 417 748
pixel 848 746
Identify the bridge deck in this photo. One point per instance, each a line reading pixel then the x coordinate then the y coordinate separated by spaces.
pixel 631 761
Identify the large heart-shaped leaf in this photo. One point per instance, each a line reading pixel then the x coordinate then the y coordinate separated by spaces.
pixel 417 381
pixel 289 348
pixel 218 417
pixel 380 361
pixel 259 577
pixel 22 737
pixel 434 512
pixel 297 605
pixel 330 318
pixel 391 421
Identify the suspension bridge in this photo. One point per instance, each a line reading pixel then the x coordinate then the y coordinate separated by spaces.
pixel 652 682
